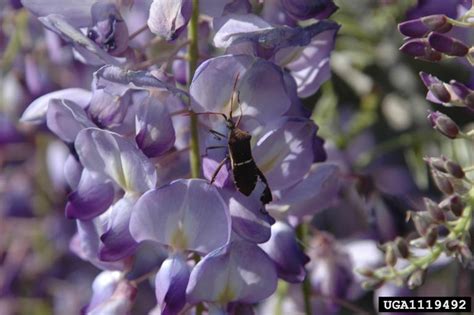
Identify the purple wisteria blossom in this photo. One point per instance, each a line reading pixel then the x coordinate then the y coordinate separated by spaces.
pixel 133 135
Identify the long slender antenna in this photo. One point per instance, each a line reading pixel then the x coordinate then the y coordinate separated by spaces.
pixel 232 96
pixel 240 107
pixel 206 113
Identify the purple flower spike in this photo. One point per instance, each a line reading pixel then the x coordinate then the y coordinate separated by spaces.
pixel 168 18
pixel 36 112
pixel 307 9
pixel 154 129
pixel 109 31
pixel 448 45
pixel 286 253
pixel 185 215
pixel 66 118
pixel 422 26
pixel 239 271
pixel 170 284
pixel 114 156
pixel 420 48
pixel 92 197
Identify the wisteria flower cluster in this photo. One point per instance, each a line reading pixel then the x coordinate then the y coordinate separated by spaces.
pixel 443 226
pixel 173 83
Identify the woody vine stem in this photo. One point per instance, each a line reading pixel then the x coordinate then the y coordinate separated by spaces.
pixel 193 55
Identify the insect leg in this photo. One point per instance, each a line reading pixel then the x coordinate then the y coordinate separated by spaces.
pixel 214 175
pixel 217 134
pixel 213 148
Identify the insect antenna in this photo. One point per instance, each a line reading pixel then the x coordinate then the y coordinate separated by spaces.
pixel 232 96
pixel 189 113
pixel 240 108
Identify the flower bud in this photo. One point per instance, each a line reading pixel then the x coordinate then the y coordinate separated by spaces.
pixel 456 205
pixel 436 163
pixel 464 252
pixel 421 49
pixel 420 27
pixel 469 101
pixel 434 210
pixel 366 272
pixel 452 245
pixel 440 92
pixel 372 284
pixel 108 29
pixel 431 236
pixel 416 279
pixel 390 257
pixel 448 45
pixel 444 124
pixel 422 223
pixel 454 169
pixel 443 183
pixel 401 246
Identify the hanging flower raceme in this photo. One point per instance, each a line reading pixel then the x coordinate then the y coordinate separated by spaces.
pixel 129 137
pixel 407 261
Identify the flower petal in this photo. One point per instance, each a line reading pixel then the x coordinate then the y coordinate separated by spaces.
pixel 92 197
pixel 239 271
pixel 286 253
pixel 249 219
pixel 168 18
pixel 86 243
pixel 66 118
pixel 317 191
pixel 170 284
pixel 211 87
pixel 36 111
pixel 311 68
pixel 82 43
pixel 154 129
pixel 117 241
pixel 78 13
pixel 112 155
pixel 284 151
pixel 186 215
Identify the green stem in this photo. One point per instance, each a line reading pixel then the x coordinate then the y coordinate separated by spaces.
pixel 301 233
pixel 193 56
pixel 423 262
pixel 195 159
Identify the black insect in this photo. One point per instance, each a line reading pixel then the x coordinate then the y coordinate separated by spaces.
pixel 246 173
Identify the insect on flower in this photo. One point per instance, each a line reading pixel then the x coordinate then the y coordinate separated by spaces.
pixel 244 169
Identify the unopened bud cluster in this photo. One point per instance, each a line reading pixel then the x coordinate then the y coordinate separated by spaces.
pixel 427 39
pixel 442 226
